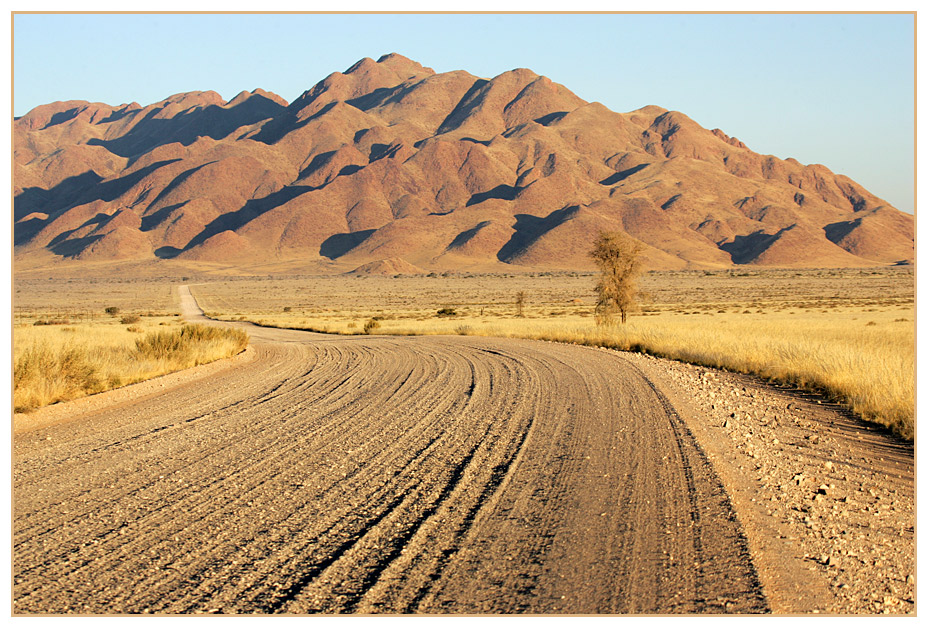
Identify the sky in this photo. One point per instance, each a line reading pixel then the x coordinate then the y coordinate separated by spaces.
pixel 834 89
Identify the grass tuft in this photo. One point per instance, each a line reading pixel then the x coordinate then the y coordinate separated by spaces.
pixel 45 372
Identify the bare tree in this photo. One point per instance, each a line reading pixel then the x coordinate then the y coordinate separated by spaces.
pixel 520 304
pixel 619 258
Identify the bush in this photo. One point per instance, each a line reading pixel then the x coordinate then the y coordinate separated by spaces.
pixel 42 375
pixel 111 310
pixel 128 319
pixel 177 345
pixel 371 325
pixel 446 312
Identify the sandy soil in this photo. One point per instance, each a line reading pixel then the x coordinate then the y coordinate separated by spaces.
pixel 453 474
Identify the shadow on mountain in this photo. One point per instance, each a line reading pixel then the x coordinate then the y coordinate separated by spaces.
pixel 380 96
pixel 119 114
pixel 97 220
pixel 316 163
pixel 115 188
pixel 552 118
pixel 178 180
pixel 466 235
pixel 503 192
pixel 476 141
pixel 743 249
pixel 71 248
pixel 615 178
pixel 24 231
pixel 468 103
pixel 530 228
pixel 73 191
pixel 211 121
pixel 284 123
pixel 670 202
pixel 53 199
pixel 349 169
pixel 338 245
pixel 248 212
pixel 62 116
pixel 166 253
pixel 155 219
pixel 380 151
pixel 837 231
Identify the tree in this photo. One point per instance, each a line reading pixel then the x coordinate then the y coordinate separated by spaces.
pixel 619 258
pixel 520 304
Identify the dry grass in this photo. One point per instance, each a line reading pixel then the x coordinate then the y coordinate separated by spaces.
pixel 868 366
pixel 849 334
pixel 53 364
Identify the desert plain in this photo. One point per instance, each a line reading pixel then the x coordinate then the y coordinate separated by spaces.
pixel 437 462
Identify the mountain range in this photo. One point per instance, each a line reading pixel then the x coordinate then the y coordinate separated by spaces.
pixel 392 165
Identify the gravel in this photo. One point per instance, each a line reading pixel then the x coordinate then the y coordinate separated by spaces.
pixel 837 491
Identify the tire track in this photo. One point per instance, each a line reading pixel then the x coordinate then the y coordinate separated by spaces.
pixel 381 474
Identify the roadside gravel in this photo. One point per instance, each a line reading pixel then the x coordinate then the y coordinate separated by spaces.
pixel 823 496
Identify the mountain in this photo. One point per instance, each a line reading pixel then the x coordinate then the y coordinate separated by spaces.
pixel 390 161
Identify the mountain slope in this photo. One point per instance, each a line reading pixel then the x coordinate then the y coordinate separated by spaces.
pixel 444 171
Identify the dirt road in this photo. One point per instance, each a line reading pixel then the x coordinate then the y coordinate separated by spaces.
pixel 381 474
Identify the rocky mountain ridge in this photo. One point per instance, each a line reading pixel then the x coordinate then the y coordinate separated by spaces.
pixel 441 171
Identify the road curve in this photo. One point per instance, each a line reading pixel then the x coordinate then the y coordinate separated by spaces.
pixel 376 474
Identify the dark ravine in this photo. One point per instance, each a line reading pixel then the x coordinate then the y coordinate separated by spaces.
pixel 379 474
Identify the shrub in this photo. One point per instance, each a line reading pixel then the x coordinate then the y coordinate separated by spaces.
pixel 371 325
pixel 111 310
pixel 446 312
pixel 42 375
pixel 130 319
pixel 180 345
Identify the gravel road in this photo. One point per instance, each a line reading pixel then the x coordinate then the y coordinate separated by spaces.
pixel 380 474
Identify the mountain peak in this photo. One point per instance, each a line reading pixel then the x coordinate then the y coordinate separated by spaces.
pixel 392 164
pixel 398 63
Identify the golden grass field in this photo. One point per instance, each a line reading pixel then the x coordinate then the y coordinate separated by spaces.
pixel 847 333
pixel 73 348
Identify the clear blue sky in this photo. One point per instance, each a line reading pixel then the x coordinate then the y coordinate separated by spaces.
pixel 831 89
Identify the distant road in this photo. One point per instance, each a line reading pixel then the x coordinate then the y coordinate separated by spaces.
pixel 381 474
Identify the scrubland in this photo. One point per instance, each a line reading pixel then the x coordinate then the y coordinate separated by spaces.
pixel 849 334
pixel 72 347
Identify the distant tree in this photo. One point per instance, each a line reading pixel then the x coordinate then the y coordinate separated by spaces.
pixel 619 258
pixel 520 303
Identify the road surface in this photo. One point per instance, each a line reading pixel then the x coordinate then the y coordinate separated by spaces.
pixel 376 474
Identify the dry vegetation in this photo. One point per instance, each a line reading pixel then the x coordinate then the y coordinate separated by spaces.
pixel 847 333
pixel 66 348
